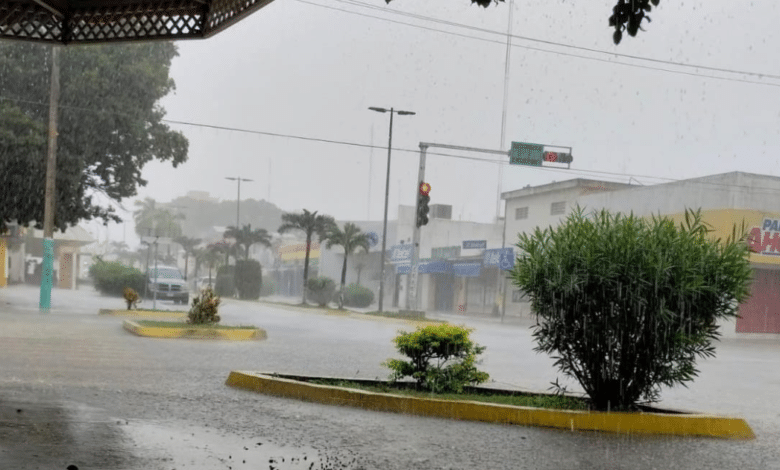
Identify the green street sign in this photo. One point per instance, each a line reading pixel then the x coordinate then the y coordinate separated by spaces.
pixel 523 153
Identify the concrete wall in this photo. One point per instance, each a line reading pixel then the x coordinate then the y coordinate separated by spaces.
pixel 730 190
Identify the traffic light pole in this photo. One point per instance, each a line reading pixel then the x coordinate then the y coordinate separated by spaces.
pixel 411 290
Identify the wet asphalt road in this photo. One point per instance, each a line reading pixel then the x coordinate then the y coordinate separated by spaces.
pixel 76 389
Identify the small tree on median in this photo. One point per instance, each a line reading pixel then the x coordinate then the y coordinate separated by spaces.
pixel 625 304
pixel 442 358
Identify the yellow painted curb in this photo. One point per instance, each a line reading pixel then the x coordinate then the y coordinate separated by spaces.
pixel 143 313
pixel 622 423
pixel 199 333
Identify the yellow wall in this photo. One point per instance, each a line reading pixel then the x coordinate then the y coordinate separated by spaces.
pixel 722 222
pixel 294 252
pixel 3 257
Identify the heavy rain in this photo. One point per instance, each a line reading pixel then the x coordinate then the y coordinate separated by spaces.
pixel 563 207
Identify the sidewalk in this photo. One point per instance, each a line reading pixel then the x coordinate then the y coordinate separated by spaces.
pixel 450 317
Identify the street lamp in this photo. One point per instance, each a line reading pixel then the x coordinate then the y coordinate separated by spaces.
pixel 387 193
pixel 238 198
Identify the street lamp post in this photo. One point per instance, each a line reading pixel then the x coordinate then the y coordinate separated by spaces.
pixel 387 193
pixel 238 197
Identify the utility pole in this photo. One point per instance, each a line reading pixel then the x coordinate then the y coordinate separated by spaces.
pixel 47 270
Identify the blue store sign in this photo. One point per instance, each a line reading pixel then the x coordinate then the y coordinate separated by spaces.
pixel 466 269
pixel 504 258
pixel 474 244
pixel 436 266
pixel 400 253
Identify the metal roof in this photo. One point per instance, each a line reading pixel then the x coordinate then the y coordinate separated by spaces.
pixel 99 21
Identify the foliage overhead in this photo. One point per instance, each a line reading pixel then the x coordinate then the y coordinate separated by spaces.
pixel 109 126
pixel 627 15
pixel 442 358
pixel 626 305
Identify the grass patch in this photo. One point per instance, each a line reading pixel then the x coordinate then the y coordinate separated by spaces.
pixel 184 324
pixel 485 396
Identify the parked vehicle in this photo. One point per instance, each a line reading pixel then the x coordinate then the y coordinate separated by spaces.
pixel 168 283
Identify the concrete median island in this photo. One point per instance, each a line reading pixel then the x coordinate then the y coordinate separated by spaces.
pixel 658 422
pixel 158 329
pixel 143 313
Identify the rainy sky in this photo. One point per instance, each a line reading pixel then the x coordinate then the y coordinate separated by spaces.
pixel 312 68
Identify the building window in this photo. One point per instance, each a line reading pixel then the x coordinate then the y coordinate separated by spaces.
pixel 521 213
pixel 557 208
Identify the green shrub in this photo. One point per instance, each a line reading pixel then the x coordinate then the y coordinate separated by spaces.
pixel 626 304
pixel 225 285
pixel 204 309
pixel 131 298
pixel 356 295
pixel 112 278
pixel 320 290
pixel 268 287
pixel 442 358
pixel 248 279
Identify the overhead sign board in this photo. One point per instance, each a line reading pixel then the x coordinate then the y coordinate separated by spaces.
pixel 400 253
pixel 523 153
pixel 474 244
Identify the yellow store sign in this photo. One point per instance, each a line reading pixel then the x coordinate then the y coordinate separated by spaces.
pixel 763 230
pixel 295 252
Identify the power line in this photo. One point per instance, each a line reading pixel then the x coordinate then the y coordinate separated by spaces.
pixel 553 43
pixel 625 64
pixel 582 172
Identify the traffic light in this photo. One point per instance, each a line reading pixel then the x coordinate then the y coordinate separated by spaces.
pixel 422 204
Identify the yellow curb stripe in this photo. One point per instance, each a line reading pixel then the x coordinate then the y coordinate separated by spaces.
pixel 233 334
pixel 623 423
pixel 143 313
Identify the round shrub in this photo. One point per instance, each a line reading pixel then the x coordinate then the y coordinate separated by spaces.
pixel 320 290
pixel 248 279
pixel 356 295
pixel 112 278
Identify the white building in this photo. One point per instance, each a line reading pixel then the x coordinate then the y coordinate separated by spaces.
pixel 725 200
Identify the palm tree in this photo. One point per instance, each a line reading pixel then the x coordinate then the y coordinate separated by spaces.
pixel 144 216
pixel 311 224
pixel 153 220
pixel 211 256
pixel 246 237
pixel 350 239
pixel 188 245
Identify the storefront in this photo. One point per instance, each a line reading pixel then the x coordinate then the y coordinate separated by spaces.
pixel 760 313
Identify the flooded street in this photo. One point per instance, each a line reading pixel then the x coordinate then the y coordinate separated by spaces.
pixel 95 396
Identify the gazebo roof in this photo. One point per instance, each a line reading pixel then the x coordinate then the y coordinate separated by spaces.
pixel 97 21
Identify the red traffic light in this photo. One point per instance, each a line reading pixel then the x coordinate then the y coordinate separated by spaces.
pixel 550 157
pixel 425 188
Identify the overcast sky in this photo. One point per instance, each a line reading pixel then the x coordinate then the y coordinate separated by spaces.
pixel 312 70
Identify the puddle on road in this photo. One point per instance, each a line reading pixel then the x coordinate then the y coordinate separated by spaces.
pixel 199 448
